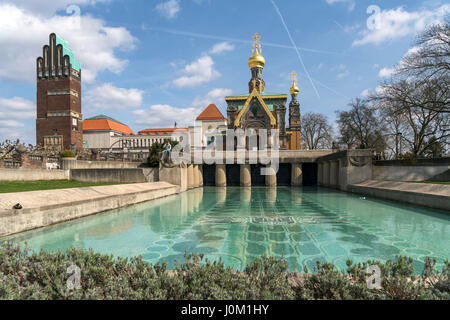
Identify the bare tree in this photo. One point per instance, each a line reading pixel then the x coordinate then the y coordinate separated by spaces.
pixel 360 128
pixel 422 103
pixel 316 131
pixel 7 147
pixel 396 126
pixel 430 58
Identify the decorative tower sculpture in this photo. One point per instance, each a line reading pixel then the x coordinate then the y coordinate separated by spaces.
pixel 256 63
pixel 59 118
pixel 294 115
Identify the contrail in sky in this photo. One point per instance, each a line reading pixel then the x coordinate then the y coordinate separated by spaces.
pixel 296 49
pixel 207 36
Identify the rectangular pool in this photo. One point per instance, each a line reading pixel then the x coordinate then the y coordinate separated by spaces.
pixel 302 225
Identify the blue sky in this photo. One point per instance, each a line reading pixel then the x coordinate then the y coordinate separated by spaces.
pixel 150 63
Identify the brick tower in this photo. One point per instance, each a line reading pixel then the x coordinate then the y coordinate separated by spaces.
pixel 59 118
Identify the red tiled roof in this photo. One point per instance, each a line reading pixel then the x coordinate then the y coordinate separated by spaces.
pixel 105 124
pixel 163 131
pixel 211 113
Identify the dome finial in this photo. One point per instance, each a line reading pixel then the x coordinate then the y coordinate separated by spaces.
pixel 294 88
pixel 256 44
pixel 256 60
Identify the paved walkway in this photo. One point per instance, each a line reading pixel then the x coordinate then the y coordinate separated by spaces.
pixel 43 208
pixel 429 195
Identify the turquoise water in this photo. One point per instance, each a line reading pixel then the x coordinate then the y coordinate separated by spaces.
pixel 238 224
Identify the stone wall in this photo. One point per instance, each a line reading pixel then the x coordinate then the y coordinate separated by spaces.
pixel 186 176
pixel 341 169
pixel 418 194
pixel 69 163
pixel 44 208
pixel 136 175
pixel 32 175
pixel 420 170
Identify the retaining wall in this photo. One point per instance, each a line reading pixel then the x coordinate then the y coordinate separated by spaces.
pixel 137 175
pixel 69 163
pixel 32 175
pixel 412 173
pixel 422 194
pixel 412 170
pixel 44 208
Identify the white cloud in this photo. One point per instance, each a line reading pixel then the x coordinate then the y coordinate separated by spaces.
pixel 215 96
pixel 50 7
pixel 23 34
pixel 343 71
pixel 11 124
pixel 168 9
pixel 396 23
pixel 17 109
pixel 365 93
pixel 197 73
pixel 343 74
pixel 13 113
pixel 386 72
pixel 222 47
pixel 109 97
pixel 164 116
pixel 351 3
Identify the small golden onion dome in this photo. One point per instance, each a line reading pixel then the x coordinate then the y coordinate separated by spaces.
pixel 294 89
pixel 256 60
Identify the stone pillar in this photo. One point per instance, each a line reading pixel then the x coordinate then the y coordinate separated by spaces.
pixel 320 174
pixel 190 178
pixel 197 175
pixel 221 175
pixel 221 195
pixel 334 167
pixel 246 178
pixel 200 172
pixel 271 180
pixel 296 175
pixel 343 174
pixel 326 174
pixel 68 163
pixel 44 160
pixel 245 196
pixel 271 195
pixel 176 176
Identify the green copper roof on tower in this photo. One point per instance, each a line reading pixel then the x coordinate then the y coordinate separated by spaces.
pixel 102 116
pixel 67 51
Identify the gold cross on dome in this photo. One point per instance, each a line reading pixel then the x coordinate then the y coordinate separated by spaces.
pixel 294 77
pixel 256 45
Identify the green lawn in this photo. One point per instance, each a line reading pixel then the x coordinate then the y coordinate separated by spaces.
pixel 434 182
pixel 22 186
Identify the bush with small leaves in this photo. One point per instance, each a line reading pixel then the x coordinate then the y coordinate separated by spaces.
pixel 67 154
pixel 25 274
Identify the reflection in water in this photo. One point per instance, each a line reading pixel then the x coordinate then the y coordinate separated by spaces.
pixel 239 224
pixel 271 194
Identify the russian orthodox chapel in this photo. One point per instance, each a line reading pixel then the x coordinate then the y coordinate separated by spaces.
pixel 260 110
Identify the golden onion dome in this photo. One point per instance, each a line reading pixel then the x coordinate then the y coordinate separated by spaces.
pixel 294 89
pixel 256 60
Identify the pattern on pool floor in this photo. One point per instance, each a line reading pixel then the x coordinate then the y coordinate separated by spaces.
pixel 240 224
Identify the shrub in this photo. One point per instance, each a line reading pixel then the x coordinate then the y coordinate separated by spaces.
pixel 67 154
pixel 25 274
pixel 155 152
